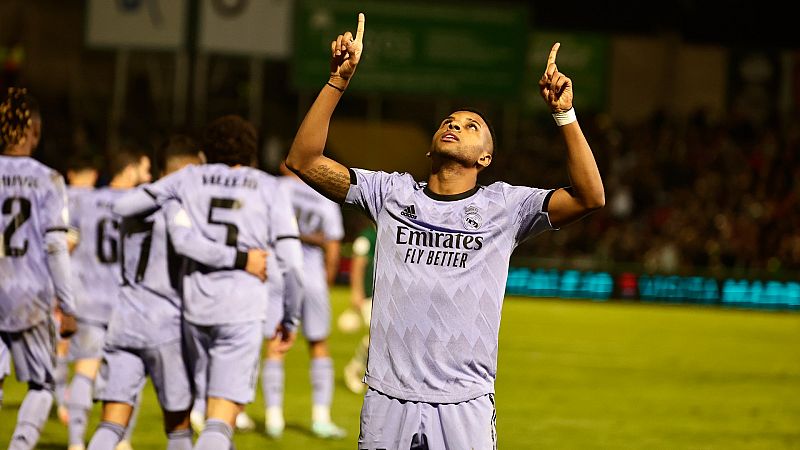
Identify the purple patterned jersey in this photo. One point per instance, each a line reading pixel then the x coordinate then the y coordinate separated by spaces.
pixel 97 256
pixel 315 214
pixel 441 264
pixel 240 207
pixel 33 225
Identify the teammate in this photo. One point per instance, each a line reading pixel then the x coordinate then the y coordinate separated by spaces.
pixel 97 257
pixel 82 176
pixel 231 203
pixel 441 260
pixel 34 264
pixel 282 303
pixel 144 334
pixel 362 267
pixel 321 230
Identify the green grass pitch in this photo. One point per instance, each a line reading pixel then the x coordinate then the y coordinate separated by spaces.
pixel 576 375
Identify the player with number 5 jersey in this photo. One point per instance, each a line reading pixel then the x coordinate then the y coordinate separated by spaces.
pixel 232 203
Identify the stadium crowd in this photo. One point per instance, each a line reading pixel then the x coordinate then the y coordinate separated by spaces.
pixel 684 195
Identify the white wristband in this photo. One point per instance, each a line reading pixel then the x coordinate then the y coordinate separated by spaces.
pixel 565 117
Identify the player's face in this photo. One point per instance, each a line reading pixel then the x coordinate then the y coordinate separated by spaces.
pixel 82 178
pixel 143 171
pixel 464 137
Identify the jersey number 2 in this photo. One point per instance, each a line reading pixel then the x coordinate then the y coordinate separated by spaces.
pixel 20 218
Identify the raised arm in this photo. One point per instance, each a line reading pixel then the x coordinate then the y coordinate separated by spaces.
pixel 305 158
pixel 586 193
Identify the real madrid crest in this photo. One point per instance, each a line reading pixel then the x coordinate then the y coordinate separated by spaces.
pixel 472 219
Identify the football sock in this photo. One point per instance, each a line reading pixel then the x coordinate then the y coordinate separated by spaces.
pixel 107 436
pixel 272 379
pixel 78 405
pixel 216 435
pixel 31 418
pixel 321 388
pixel 179 439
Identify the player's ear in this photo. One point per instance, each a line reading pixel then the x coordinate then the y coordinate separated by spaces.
pixel 485 160
pixel 202 157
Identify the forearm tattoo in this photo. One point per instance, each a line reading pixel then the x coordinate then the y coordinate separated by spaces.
pixel 329 182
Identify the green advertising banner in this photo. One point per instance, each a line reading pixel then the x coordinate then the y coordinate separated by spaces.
pixel 584 57
pixel 460 49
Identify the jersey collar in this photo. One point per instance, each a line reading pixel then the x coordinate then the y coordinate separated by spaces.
pixel 450 197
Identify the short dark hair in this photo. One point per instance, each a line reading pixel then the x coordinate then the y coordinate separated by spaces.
pixel 485 119
pixel 230 140
pixel 176 145
pixel 16 116
pixel 82 160
pixel 124 157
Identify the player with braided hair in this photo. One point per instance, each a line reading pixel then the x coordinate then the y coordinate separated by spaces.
pixel 34 264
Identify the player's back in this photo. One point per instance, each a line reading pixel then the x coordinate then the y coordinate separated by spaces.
pixel 97 254
pixel 32 202
pixel 233 206
pixel 148 312
pixel 315 214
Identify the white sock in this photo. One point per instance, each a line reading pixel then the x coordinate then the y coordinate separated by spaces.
pixel 321 413
pixel 275 416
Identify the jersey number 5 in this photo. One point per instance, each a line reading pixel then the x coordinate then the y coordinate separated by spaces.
pixel 225 203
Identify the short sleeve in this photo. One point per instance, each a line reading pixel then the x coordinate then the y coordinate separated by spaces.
pixel 56 212
pixel 168 187
pixel 528 206
pixel 283 223
pixel 332 226
pixel 368 190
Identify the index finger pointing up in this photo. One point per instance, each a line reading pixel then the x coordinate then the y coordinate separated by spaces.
pixel 360 29
pixel 551 59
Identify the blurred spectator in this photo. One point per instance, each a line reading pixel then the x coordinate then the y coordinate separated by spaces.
pixel 683 195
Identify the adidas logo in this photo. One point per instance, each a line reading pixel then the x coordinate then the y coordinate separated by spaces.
pixel 409 212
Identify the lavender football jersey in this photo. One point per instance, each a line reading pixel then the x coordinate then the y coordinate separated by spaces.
pixel 240 207
pixel 33 225
pixel 148 314
pixel 441 264
pixel 97 255
pixel 314 214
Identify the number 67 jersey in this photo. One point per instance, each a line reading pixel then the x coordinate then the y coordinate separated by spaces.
pixel 240 207
pixel 33 225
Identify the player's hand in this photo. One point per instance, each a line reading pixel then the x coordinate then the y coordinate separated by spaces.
pixel 257 263
pixel 554 86
pixel 346 54
pixel 67 325
pixel 284 339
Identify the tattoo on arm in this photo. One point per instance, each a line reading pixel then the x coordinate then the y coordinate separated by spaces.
pixel 328 181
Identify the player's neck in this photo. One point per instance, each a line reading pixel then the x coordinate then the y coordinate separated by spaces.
pixel 450 179
pixel 16 150
pixel 120 182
